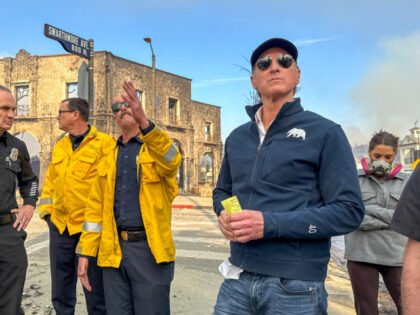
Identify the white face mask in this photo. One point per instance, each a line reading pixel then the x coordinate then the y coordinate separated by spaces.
pixel 381 168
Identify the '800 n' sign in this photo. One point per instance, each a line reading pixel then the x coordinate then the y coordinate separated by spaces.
pixel 71 43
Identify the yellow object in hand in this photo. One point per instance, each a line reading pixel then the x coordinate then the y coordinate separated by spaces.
pixel 232 205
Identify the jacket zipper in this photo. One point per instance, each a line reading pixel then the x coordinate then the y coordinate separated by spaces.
pixel 251 181
pixel 267 135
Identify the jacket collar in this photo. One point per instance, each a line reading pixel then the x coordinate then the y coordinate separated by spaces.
pixel 67 142
pixel 287 109
pixel 136 138
pixel 76 140
pixel 92 132
pixel 399 175
pixel 361 172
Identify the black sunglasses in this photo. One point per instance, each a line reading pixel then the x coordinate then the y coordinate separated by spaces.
pixel 284 61
pixel 116 107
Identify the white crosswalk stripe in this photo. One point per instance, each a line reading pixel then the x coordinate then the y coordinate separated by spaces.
pixel 205 240
pixel 201 254
pixel 197 235
pixel 190 221
pixel 36 247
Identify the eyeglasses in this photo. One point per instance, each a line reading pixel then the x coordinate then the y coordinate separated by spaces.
pixel 284 61
pixel 65 111
pixel 116 107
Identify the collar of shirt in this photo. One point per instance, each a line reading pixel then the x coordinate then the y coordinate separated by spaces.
pixel 5 138
pixel 135 138
pixel 260 125
pixel 399 175
pixel 77 140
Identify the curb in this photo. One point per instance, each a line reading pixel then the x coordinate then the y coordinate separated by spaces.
pixel 182 206
pixel 192 207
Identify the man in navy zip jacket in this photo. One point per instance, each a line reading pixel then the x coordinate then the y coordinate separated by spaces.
pixel 294 173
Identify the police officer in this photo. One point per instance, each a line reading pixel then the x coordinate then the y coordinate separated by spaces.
pixel 63 201
pixel 14 164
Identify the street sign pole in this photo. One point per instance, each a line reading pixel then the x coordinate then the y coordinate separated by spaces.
pixel 91 99
pixel 83 81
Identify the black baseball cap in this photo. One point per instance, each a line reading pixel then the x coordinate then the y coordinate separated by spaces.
pixel 274 42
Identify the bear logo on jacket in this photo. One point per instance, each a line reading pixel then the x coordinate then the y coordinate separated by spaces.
pixel 296 133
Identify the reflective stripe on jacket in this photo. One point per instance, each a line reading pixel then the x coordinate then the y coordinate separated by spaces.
pixel 157 166
pixel 69 178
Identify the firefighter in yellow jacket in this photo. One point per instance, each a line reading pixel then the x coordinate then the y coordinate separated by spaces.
pixel 63 201
pixel 128 217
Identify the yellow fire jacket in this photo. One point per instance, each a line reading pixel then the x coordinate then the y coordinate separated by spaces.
pixel 69 178
pixel 157 166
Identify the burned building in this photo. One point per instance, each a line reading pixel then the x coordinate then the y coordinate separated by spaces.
pixel 40 83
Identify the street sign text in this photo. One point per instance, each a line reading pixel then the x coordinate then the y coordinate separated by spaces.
pixel 71 43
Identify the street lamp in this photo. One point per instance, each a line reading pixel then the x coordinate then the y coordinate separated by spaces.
pixel 149 41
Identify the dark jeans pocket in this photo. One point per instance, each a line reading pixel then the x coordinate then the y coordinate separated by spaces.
pixel 303 297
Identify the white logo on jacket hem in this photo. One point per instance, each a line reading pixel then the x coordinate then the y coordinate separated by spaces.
pixel 312 229
pixel 296 133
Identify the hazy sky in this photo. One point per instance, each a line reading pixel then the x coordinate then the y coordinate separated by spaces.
pixel 359 59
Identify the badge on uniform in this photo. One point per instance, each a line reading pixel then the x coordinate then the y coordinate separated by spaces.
pixel 14 154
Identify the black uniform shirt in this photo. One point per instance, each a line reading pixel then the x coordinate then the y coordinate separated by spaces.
pixel 406 219
pixel 15 164
pixel 127 183
pixel 126 203
pixel 76 141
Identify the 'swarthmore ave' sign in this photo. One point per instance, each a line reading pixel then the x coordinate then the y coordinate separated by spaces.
pixel 71 43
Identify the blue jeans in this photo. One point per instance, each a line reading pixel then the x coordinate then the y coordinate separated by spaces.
pixel 259 294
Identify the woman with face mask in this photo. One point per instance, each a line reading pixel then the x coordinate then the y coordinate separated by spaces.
pixel 374 248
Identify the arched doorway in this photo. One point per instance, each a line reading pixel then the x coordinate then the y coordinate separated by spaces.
pixel 33 148
pixel 206 169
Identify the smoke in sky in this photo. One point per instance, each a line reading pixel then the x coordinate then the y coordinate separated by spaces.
pixel 355 135
pixel 388 95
